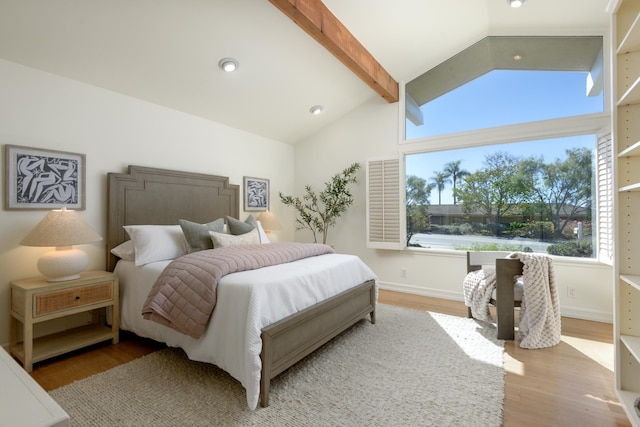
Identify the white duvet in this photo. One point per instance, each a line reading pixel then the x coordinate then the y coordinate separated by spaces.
pixel 247 302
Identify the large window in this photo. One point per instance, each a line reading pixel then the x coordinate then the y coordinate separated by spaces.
pixel 507 97
pixel 528 183
pixel 527 196
pixel 504 81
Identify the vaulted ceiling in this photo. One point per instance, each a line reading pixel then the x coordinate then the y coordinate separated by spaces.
pixel 167 52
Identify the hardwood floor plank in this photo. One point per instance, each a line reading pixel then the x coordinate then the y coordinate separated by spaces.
pixel 571 384
pixel 65 369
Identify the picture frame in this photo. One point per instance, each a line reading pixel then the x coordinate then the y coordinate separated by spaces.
pixel 37 178
pixel 256 194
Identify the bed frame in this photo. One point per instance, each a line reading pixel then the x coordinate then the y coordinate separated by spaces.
pixel 158 196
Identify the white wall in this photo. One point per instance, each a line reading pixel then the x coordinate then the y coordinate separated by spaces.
pixel 42 110
pixel 371 131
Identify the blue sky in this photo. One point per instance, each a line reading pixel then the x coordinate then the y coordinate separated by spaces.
pixel 500 98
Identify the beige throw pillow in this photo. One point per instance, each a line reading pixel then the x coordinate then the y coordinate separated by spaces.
pixel 221 240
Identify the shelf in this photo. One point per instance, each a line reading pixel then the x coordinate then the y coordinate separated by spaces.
pixel 633 345
pixel 627 399
pixel 632 280
pixel 63 342
pixel 631 40
pixel 632 95
pixel 626 125
pixel 632 187
pixel 625 14
pixel 633 151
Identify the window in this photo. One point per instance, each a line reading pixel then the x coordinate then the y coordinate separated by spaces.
pixel 507 97
pixel 527 196
pixel 509 157
pixel 504 81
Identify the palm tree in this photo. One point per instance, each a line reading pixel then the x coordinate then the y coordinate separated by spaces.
pixel 440 179
pixel 453 171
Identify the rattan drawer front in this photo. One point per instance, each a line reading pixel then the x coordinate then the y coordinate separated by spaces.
pixel 51 302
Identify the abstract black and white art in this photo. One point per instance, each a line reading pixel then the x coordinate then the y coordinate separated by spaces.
pixel 256 194
pixel 43 179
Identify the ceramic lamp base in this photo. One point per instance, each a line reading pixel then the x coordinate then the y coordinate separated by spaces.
pixel 64 263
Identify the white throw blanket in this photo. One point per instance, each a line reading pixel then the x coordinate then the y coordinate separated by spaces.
pixel 540 308
pixel 540 311
pixel 477 288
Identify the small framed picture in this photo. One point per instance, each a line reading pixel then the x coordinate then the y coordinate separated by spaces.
pixel 256 194
pixel 37 178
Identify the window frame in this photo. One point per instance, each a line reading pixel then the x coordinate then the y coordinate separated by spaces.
pixel 598 124
pixel 590 124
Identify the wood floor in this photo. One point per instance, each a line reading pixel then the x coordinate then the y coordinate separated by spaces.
pixel 571 384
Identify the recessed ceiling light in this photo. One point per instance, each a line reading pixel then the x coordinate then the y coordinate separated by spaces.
pixel 316 109
pixel 228 64
pixel 515 3
pixel 517 57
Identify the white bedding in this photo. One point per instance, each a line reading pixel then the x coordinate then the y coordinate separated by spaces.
pixel 247 302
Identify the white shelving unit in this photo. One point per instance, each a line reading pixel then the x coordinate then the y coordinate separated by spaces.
pixel 626 125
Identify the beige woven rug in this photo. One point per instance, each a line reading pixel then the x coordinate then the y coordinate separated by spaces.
pixel 411 368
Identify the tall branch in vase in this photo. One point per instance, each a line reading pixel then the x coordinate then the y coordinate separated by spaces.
pixel 319 212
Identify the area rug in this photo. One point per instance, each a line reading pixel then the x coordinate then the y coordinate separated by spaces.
pixel 412 368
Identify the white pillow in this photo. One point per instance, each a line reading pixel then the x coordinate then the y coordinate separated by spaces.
pixel 221 240
pixel 157 242
pixel 262 234
pixel 125 251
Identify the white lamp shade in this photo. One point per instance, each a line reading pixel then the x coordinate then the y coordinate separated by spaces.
pixel 62 228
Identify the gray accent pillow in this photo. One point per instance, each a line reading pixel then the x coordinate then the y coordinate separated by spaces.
pixel 197 235
pixel 237 227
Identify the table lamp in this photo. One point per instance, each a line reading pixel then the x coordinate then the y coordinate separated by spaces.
pixel 62 228
pixel 269 223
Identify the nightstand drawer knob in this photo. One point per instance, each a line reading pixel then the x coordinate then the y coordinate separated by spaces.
pixel 77 297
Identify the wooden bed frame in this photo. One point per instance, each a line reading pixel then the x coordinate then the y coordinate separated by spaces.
pixel 158 196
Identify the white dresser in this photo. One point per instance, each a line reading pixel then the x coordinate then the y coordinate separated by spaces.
pixel 22 401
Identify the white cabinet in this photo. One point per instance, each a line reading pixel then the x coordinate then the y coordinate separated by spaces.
pixel 22 402
pixel 626 125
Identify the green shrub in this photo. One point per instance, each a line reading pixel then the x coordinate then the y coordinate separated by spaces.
pixel 575 248
pixel 445 229
pixel 477 247
pixel 542 230
pixel 465 228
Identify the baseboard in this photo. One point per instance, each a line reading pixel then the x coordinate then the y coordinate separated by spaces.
pixel 580 313
pixel 573 312
pixel 422 291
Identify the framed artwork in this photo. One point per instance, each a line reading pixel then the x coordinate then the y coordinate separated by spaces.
pixel 36 178
pixel 256 194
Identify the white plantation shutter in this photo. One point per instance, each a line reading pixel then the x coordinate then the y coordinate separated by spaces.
pixel 384 222
pixel 605 193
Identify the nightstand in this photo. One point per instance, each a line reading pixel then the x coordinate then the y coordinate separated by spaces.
pixel 36 300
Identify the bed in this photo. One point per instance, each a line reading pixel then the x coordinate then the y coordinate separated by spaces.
pixel 345 295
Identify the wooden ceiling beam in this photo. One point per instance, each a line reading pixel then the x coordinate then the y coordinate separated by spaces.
pixel 318 21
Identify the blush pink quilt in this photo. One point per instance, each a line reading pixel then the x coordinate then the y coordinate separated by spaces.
pixel 184 295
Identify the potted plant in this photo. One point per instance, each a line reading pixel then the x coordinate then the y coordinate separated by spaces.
pixel 318 212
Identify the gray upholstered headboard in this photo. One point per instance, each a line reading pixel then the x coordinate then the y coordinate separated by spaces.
pixel 159 196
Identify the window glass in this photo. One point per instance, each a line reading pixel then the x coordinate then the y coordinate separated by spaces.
pixel 506 97
pixel 522 196
pixel 526 196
